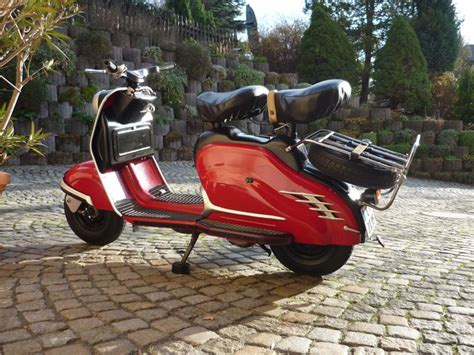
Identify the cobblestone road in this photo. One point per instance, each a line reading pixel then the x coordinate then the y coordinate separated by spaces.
pixel 60 296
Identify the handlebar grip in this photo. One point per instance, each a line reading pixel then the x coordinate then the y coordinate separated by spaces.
pixel 111 67
pixel 98 71
pixel 167 66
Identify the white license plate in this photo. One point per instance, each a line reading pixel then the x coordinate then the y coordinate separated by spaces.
pixel 369 219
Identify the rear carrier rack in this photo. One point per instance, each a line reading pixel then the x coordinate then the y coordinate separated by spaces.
pixel 359 162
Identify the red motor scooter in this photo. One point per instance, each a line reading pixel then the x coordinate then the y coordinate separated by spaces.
pixel 268 191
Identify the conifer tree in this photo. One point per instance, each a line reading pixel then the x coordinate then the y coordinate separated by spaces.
pixel 465 104
pixel 437 29
pixel 325 51
pixel 400 70
pixel 180 7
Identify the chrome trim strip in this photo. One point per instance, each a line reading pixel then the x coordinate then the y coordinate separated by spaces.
pixel 312 202
pixel 349 229
pixel 331 218
pixel 315 203
pixel 209 207
pixel 323 210
pixel 300 193
pixel 75 193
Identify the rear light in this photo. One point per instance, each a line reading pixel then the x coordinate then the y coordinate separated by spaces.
pixel 371 196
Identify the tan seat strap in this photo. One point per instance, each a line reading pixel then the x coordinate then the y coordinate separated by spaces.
pixel 272 112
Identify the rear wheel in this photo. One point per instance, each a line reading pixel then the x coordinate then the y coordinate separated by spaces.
pixel 315 260
pixel 96 227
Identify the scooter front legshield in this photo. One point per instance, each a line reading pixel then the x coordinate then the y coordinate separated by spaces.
pixel 84 179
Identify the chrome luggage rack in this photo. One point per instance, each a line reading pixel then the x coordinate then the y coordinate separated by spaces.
pixel 368 153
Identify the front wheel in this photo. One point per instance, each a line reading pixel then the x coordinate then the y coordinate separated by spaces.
pixel 315 260
pixel 95 227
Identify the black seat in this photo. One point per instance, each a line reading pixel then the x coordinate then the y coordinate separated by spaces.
pixel 235 105
pixel 311 103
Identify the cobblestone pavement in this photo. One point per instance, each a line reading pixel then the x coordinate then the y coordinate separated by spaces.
pixel 60 296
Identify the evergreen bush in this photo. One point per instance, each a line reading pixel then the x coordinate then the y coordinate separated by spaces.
pixel 325 51
pixel 465 104
pixel 244 76
pixel 194 59
pixel 170 84
pixel 153 54
pixel 448 137
pixel 400 70
pixel 466 138
pixel 405 136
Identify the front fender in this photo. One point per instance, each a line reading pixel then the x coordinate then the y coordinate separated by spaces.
pixel 83 182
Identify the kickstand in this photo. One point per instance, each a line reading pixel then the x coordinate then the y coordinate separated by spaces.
pixel 267 250
pixel 182 267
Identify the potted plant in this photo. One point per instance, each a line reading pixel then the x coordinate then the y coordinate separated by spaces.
pixel 25 25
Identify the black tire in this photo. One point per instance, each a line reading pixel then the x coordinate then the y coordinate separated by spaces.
pixel 314 260
pixel 102 229
pixel 354 172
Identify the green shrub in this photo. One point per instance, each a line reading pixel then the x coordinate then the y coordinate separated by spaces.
pixel 94 46
pixel 260 60
pixel 88 92
pixel 226 85
pixel 244 76
pixel 402 148
pixel 441 151
pixel 405 136
pixel 302 86
pixel 371 136
pixel 448 137
pixel 71 95
pixel 272 78
pixel 282 87
pixel 194 59
pixel 82 116
pixel 170 84
pixel 152 54
pixel 423 151
pixel 466 139
pixel 434 151
pixel 385 137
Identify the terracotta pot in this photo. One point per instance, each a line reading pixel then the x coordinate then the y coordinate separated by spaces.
pixel 4 180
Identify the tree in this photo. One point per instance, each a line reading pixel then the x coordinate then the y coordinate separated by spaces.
pixel 325 51
pixel 437 29
pixel 280 45
pixel 199 13
pixel 180 7
pixel 225 13
pixel 24 26
pixel 400 70
pixel 465 104
pixel 366 22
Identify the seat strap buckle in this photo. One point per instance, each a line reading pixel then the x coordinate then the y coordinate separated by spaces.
pixel 271 104
pixel 357 151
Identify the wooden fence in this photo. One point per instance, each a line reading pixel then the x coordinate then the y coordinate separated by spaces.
pixel 160 27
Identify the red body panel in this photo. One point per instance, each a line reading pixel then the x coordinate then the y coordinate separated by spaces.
pixel 84 178
pixel 237 177
pixel 225 170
